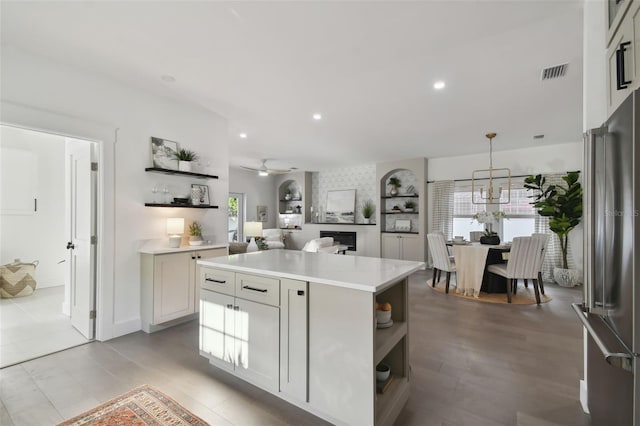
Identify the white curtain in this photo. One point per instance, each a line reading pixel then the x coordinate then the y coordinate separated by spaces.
pixel 442 210
pixel 553 254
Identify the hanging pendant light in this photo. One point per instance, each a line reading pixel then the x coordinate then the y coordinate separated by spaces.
pixel 484 187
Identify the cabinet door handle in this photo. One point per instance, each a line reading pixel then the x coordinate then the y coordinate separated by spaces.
pixel 192 258
pixel 215 281
pixel 261 290
pixel 229 306
pixel 621 83
pixel 236 308
pixel 199 257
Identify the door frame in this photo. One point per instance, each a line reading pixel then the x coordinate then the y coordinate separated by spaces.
pixel 105 137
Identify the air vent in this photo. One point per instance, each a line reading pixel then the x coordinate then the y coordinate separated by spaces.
pixel 554 72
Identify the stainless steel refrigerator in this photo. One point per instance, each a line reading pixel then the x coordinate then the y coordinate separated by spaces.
pixel 611 309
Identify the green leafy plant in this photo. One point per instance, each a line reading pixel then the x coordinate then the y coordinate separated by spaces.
pixel 185 155
pixel 195 230
pixel 368 208
pixel 395 182
pixel 409 204
pixel 562 204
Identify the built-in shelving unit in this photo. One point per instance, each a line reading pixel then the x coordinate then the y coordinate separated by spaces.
pixel 391 346
pixel 348 224
pixel 178 172
pixel 402 215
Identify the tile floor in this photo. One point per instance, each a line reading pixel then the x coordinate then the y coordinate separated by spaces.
pixel 33 326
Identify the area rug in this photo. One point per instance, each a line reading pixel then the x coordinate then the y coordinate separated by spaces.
pixel 524 296
pixel 141 406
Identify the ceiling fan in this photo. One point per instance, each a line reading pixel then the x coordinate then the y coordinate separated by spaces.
pixel 265 171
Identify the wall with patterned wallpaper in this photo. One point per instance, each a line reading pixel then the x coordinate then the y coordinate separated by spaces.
pixel 360 178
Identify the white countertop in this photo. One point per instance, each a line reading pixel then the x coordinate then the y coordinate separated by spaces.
pixel 155 248
pixel 356 272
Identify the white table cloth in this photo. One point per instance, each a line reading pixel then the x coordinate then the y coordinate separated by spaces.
pixel 470 263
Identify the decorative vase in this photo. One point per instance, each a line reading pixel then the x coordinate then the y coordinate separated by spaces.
pixel 287 197
pixel 566 277
pixel 493 240
pixel 184 166
pixel 366 220
pixel 195 240
pixel 394 191
pixel 408 210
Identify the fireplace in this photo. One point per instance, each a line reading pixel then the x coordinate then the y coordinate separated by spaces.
pixel 342 237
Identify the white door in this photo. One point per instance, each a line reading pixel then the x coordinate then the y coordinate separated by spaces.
pixel 82 184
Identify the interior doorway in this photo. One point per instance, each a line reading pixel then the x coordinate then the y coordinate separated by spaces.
pixel 236 217
pixel 48 192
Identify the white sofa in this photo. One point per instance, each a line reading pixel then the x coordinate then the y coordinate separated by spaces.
pixel 321 245
pixel 273 238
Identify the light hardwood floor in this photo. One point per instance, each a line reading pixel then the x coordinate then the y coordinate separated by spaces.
pixel 472 364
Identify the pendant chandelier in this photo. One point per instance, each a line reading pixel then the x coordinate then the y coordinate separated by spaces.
pixel 484 187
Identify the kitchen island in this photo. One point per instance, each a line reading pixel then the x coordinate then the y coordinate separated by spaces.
pixel 303 327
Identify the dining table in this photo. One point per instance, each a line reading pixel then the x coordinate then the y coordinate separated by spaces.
pixel 471 267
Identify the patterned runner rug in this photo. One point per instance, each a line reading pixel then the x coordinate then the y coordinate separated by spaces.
pixel 141 406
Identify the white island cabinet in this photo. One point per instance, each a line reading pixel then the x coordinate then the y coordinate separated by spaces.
pixel 303 327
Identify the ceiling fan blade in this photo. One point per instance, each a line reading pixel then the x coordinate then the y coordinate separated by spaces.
pixel 277 171
pixel 250 168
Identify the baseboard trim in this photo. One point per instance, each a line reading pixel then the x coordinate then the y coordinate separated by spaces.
pixel 583 396
pixel 125 327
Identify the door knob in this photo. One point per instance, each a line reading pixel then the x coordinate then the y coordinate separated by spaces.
pixel 70 245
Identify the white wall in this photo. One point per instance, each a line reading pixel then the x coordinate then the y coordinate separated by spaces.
pixel 258 190
pixel 542 159
pixel 70 94
pixel 38 235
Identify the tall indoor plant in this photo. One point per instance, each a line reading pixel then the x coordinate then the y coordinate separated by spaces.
pixel 562 204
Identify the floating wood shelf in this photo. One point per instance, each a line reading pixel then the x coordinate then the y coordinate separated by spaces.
pixel 184 206
pixel 178 172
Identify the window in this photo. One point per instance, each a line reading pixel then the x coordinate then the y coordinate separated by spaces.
pixel 521 216
pixel 236 214
pixel 463 211
pixel 520 219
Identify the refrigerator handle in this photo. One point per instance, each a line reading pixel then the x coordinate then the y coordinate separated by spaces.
pixel 591 139
pixel 617 359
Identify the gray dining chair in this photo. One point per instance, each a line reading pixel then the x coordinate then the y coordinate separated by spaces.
pixel 442 261
pixel 522 264
pixel 545 240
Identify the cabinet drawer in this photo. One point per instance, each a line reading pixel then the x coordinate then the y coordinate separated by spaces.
pixel 259 289
pixel 217 280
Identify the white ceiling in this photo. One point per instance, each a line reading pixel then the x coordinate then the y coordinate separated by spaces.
pixel 368 67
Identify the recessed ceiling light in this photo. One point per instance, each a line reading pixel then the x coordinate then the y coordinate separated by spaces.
pixel 538 136
pixel 263 173
pixel 243 135
pixel 438 85
pixel 317 116
pixel 168 78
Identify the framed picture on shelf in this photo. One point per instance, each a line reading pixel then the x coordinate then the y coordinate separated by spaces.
pixel 261 213
pixel 341 206
pixel 163 153
pixel 402 225
pixel 203 191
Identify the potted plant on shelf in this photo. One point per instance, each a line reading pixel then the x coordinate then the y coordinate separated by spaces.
pixel 394 183
pixel 409 205
pixel 368 208
pixel 396 209
pixel 195 234
pixel 490 237
pixel 185 157
pixel 563 206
